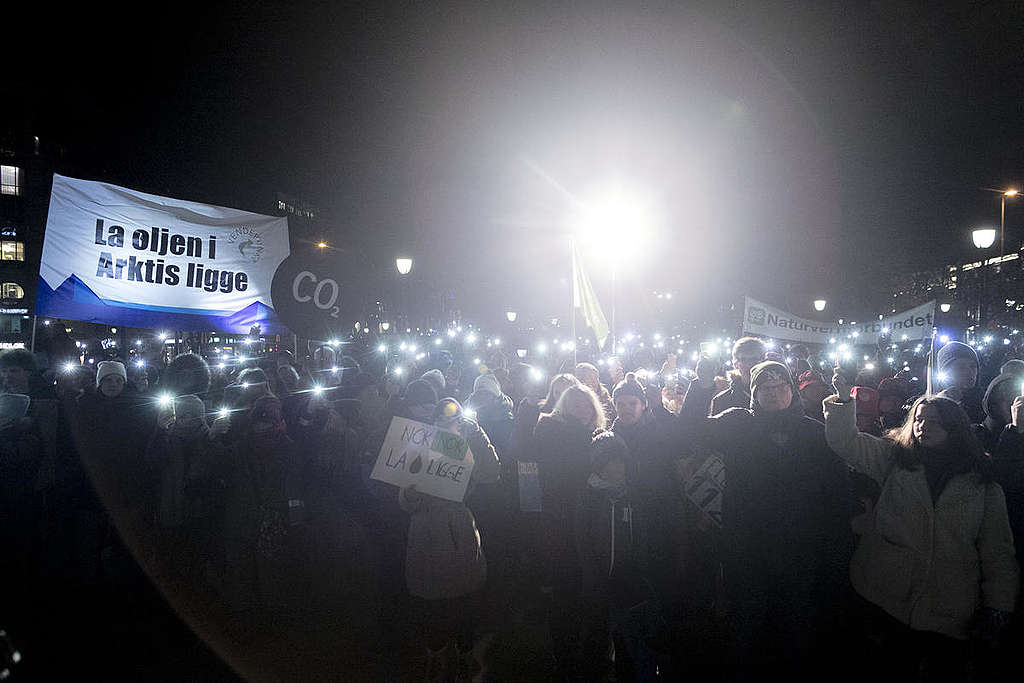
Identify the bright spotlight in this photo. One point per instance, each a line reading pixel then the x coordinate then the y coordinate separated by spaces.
pixel 317 390
pixel 140 363
pixel 223 412
pixel 69 367
pixel 437 341
pixel 382 348
pixel 164 400
pixel 612 213
pixel 398 372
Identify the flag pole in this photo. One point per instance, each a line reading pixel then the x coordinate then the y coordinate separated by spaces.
pixel 572 300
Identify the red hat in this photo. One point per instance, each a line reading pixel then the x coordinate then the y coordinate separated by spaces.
pixel 867 401
pixel 807 378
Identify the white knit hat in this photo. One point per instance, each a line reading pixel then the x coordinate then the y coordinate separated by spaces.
pixel 488 383
pixel 110 367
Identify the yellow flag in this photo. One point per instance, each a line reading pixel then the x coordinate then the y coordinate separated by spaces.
pixel 583 298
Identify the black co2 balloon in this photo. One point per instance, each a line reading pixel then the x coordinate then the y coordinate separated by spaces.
pixel 310 295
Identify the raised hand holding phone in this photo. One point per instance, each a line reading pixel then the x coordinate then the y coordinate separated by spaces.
pixel 842 387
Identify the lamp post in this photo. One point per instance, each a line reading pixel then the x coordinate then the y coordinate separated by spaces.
pixel 404 266
pixel 1002 219
pixel 983 239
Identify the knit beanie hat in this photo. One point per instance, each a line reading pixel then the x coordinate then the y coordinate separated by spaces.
pixel 768 371
pixel 605 447
pixel 952 352
pixel 420 393
pixel 999 387
pixel 436 379
pixel 488 383
pixel 446 412
pixel 629 387
pixel 1013 367
pixel 110 367
pixel 189 406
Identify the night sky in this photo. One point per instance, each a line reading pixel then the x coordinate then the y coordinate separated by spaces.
pixel 809 149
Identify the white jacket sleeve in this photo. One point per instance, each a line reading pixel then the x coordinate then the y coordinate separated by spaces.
pixel 869 455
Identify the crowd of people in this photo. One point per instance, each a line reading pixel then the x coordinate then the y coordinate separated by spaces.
pixel 776 512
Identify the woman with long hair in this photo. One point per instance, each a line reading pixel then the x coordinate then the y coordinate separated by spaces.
pixel 937 562
pixel 562 450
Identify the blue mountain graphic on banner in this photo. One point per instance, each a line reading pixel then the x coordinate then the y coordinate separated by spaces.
pixel 74 300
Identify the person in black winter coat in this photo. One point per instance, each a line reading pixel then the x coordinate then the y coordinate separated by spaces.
pixel 562 451
pixel 996 404
pixel 612 546
pixel 786 516
pixel 265 526
pixel 958 369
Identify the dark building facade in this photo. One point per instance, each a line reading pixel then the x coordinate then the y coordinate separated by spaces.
pixel 27 165
pixel 980 294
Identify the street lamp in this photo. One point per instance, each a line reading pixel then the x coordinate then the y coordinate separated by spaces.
pixel 511 316
pixel 1002 218
pixel 819 305
pixel 983 239
pixel 404 266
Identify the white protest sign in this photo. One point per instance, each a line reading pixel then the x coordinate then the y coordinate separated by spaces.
pixel 435 460
pixel 767 321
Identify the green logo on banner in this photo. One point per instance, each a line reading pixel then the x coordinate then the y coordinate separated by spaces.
pixel 450 445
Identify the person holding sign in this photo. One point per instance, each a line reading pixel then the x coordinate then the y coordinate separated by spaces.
pixel 937 564
pixel 445 566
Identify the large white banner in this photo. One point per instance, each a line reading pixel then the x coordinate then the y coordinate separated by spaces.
pixel 115 255
pixel 767 321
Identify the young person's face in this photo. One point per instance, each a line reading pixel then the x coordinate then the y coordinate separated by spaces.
pixel 775 396
pixel 744 361
pixel 928 429
pixel 963 373
pixel 111 386
pixel 630 409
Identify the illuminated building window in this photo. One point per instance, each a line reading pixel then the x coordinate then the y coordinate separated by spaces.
pixel 10 180
pixel 12 290
pixel 12 251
